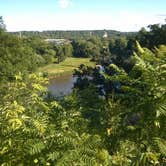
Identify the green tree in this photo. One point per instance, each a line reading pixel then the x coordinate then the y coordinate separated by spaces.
pixel 63 51
pixel 68 50
pixel 132 118
pixel 138 111
pixel 154 37
pixel 2 25
pixel 44 50
pixel 36 132
pixel 60 54
pixel 15 57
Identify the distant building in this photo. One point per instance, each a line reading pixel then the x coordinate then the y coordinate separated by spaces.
pixel 105 34
pixel 58 41
pixel 20 34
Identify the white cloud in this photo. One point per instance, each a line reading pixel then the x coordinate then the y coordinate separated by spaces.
pixel 65 3
pixel 123 21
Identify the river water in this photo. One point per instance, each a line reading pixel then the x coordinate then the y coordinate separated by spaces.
pixel 62 85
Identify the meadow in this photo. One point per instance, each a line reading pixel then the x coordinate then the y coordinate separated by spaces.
pixel 66 67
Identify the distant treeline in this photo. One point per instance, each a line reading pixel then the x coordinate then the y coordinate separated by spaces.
pixel 73 34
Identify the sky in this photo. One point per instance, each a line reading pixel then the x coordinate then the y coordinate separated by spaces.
pixel 121 15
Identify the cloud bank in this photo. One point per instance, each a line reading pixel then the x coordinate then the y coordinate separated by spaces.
pixel 122 21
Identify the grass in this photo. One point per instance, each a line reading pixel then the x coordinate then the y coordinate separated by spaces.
pixel 65 67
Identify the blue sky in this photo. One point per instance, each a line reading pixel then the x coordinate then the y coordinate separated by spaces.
pixel 123 15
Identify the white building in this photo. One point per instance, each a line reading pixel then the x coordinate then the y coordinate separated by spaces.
pixel 105 34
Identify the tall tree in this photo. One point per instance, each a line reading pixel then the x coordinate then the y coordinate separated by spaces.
pixel 2 25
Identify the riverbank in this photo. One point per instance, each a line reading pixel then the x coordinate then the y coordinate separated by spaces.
pixel 64 68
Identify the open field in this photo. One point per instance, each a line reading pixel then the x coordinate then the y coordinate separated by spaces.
pixel 65 67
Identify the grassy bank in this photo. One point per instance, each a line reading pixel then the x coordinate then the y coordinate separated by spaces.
pixel 65 67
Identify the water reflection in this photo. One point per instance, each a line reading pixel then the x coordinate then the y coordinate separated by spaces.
pixel 61 86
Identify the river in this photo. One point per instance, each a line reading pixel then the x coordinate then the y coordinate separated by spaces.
pixel 62 85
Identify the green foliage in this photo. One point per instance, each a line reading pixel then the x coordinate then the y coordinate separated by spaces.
pixel 87 48
pixel 2 25
pixel 123 125
pixel 142 111
pixel 133 114
pixel 23 118
pixel 15 57
pixel 45 51
pixel 60 53
pixel 37 132
pixel 121 50
pixel 155 37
